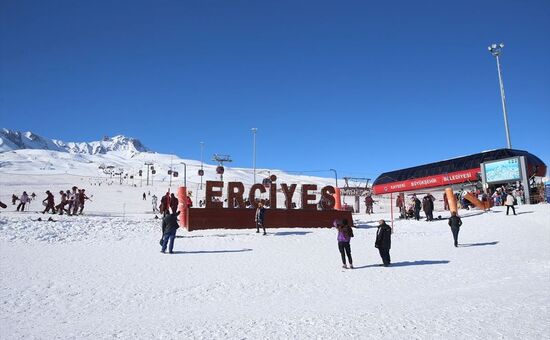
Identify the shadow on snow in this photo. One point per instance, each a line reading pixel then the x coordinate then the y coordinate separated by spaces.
pixel 212 251
pixel 478 244
pixel 408 263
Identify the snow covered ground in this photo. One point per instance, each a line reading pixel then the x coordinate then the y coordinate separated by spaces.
pixel 101 276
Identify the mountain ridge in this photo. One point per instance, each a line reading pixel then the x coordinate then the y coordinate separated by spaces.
pixel 11 140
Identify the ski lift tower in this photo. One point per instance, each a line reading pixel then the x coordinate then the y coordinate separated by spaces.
pixel 221 159
pixel 357 190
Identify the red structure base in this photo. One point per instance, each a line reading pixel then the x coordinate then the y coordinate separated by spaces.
pixel 214 218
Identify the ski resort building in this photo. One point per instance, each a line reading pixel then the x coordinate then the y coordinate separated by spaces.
pixel 450 172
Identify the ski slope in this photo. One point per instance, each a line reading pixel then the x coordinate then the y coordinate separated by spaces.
pixel 101 275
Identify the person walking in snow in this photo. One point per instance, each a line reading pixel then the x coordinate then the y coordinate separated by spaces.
pixel 154 202
pixel 24 199
pixel 81 199
pixel 169 227
pixel 428 206
pixel 509 203
pixel 259 217
pixel 368 204
pixel 49 201
pixel 455 222
pixel 173 203
pixel 61 206
pixel 417 207
pixel 14 198
pixel 345 233
pixel 144 196
pixel 383 242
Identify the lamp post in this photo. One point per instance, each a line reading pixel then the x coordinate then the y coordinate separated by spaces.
pixel 254 130
pixel 202 148
pixel 335 176
pixel 495 50
pixel 185 175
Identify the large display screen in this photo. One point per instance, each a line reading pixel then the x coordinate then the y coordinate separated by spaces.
pixel 503 170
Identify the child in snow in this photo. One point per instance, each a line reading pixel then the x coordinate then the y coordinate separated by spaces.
pixel 345 233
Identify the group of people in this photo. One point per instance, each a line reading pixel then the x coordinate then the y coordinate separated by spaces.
pixel 71 202
pixel 414 206
pixel 24 200
pixel 382 242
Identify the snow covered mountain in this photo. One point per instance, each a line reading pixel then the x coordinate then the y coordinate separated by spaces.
pixel 15 140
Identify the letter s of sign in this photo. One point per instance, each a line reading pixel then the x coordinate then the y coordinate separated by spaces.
pixel 211 193
pixel 327 193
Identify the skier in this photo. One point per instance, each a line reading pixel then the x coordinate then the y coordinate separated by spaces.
pixel 509 203
pixel 345 233
pixel 24 199
pixel 259 217
pixel 455 222
pixel 49 201
pixel 383 242
pixel 169 228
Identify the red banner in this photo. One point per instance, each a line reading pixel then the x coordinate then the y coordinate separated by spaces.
pixel 427 182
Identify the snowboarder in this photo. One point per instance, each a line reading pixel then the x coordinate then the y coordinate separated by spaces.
pixel 383 242
pixel 169 228
pixel 455 222
pixel 345 233
pixel 509 203
pixel 49 201
pixel 259 217
pixel 24 199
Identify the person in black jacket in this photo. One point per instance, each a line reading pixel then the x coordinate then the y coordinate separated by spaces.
pixel 455 222
pixel 417 207
pixel 259 217
pixel 428 206
pixel 383 242
pixel 169 228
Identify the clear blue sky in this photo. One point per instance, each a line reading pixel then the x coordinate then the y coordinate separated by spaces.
pixel 359 86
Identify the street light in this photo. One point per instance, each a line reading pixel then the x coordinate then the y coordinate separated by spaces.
pixel 495 50
pixel 335 176
pixel 202 171
pixel 254 130
pixel 185 175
